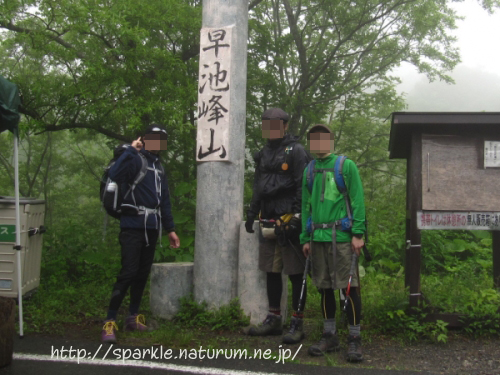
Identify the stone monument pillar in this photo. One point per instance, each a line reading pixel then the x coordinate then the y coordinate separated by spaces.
pixel 220 149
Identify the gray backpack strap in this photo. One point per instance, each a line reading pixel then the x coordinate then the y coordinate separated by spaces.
pixel 160 167
pixel 322 170
pixel 140 176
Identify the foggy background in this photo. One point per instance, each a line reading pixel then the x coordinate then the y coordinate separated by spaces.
pixel 477 77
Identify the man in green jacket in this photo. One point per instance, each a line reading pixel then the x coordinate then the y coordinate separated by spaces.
pixel 331 259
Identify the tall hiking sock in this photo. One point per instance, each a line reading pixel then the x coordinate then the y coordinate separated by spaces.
pixel 116 300
pixel 329 325
pixel 136 292
pixel 274 290
pixel 275 311
pixel 328 304
pixel 354 307
pixel 355 330
pixel 296 289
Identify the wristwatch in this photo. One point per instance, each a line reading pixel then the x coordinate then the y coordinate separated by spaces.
pixel 358 235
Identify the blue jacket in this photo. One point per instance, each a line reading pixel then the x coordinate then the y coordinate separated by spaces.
pixel 124 172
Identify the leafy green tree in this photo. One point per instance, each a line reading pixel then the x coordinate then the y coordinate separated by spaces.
pixel 306 55
pixel 111 66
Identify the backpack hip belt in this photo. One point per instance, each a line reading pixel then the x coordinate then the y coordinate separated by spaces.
pixel 141 210
pixel 146 212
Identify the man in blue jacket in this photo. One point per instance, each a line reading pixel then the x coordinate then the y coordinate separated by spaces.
pixel 145 209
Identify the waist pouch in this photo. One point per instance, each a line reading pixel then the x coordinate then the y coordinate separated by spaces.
pixel 267 228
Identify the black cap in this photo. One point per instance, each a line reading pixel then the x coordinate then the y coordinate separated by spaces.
pixel 156 129
pixel 274 113
pixel 318 129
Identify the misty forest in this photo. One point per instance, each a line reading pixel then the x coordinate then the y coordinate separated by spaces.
pixel 93 74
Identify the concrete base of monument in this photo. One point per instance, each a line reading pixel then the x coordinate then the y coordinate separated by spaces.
pixel 172 281
pixel 169 283
pixel 252 290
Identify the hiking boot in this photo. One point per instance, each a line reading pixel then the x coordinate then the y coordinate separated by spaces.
pixel 329 343
pixel 108 332
pixel 272 325
pixel 135 322
pixel 354 349
pixel 296 333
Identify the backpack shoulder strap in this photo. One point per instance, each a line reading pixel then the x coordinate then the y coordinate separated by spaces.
pixel 310 174
pixel 338 173
pixel 340 182
pixel 139 177
pixel 162 170
pixel 142 173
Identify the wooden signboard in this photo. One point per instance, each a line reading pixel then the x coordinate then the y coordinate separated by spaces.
pixel 458 220
pixel 453 176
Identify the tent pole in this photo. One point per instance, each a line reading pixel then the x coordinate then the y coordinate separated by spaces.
pixel 18 231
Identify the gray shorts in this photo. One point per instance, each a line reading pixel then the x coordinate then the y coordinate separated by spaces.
pixel 325 273
pixel 275 258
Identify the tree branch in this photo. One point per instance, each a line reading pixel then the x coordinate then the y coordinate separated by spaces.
pixel 253 4
pixel 7 167
pixel 108 133
pixel 10 26
pixel 38 168
pixel 98 178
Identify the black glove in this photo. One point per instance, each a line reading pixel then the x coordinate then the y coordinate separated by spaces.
pixel 249 225
pixel 294 228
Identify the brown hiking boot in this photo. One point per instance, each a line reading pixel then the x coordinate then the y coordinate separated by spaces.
pixel 272 325
pixel 354 349
pixel 296 333
pixel 329 343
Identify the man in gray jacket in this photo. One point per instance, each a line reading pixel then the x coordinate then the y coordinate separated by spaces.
pixel 277 192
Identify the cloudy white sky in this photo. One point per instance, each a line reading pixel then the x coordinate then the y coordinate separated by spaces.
pixel 477 77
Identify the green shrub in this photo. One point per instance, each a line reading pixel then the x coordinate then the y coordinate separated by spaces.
pixel 194 314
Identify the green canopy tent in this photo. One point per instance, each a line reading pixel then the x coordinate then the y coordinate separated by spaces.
pixel 9 120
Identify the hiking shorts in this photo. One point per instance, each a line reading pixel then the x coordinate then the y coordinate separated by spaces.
pixel 275 258
pixel 326 274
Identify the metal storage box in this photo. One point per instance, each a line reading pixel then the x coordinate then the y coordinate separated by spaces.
pixel 32 213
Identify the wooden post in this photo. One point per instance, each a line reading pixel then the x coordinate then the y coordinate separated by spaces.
pixel 496 259
pixel 413 249
pixel 408 222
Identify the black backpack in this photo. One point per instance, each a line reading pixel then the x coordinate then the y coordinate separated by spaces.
pixel 111 192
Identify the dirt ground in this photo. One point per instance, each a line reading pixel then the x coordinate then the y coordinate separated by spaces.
pixel 460 355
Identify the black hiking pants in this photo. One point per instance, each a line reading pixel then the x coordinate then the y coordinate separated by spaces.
pixel 137 259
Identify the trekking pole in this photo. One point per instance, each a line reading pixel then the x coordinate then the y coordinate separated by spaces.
pixel 351 274
pixel 304 282
pixel 367 254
